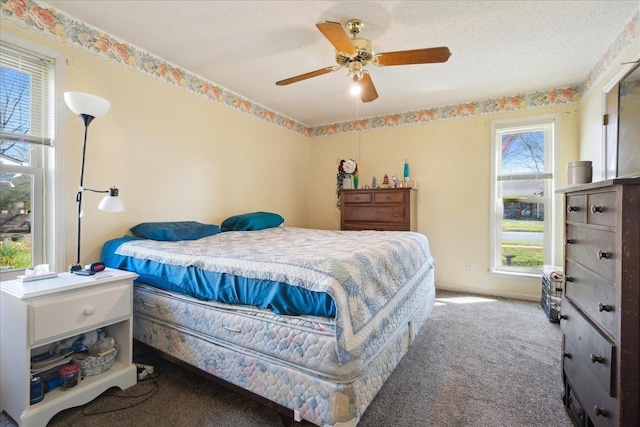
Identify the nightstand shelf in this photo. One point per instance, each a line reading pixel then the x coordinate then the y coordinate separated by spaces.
pixel 37 314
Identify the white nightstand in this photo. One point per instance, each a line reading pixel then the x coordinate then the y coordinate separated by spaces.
pixel 36 314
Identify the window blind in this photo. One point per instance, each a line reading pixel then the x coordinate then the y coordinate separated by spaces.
pixel 26 113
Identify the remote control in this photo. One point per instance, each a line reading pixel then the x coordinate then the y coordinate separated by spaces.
pixel 84 272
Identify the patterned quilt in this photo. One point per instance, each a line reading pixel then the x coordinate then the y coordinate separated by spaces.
pixel 369 274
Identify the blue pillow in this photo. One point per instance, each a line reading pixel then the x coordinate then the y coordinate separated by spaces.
pixel 174 230
pixel 251 221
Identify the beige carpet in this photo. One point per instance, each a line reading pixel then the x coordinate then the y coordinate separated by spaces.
pixel 479 361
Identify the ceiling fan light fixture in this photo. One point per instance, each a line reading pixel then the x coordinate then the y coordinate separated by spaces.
pixel 355 71
pixel 355 90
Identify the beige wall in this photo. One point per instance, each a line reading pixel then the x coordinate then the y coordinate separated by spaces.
pixel 176 156
pixel 451 160
pixel 592 109
pixel 173 155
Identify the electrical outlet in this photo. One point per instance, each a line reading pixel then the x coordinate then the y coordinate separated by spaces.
pixel 468 265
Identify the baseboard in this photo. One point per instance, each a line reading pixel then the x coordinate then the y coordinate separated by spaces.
pixel 487 292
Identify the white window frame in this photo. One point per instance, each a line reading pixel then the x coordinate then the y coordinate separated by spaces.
pixel 51 224
pixel 495 250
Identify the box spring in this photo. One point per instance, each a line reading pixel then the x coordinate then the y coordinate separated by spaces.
pixel 289 360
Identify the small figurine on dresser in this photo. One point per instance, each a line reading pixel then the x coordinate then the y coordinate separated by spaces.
pixel 385 181
pixel 374 182
pixel 396 183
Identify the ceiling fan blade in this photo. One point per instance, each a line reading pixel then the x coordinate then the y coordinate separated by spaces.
pixel 417 56
pixel 306 76
pixel 334 32
pixel 368 90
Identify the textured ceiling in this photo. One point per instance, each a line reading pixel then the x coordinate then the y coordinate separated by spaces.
pixel 498 47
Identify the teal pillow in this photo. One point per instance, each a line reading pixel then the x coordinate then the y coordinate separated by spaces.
pixel 174 230
pixel 251 221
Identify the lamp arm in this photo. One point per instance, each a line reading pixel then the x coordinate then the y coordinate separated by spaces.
pixel 81 189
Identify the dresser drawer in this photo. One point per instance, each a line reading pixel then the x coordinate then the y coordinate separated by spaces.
pixel 591 397
pixel 576 208
pixel 381 197
pixel 601 208
pixel 378 226
pixel 389 214
pixel 593 249
pixel 587 352
pixel 75 311
pixel 359 197
pixel 594 296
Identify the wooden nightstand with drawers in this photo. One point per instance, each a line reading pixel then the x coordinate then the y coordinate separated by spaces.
pixel 36 314
pixel 600 316
pixel 389 209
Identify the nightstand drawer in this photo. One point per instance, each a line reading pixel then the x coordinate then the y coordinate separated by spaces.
pixel 53 317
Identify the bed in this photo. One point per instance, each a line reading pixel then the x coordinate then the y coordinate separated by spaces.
pixel 312 320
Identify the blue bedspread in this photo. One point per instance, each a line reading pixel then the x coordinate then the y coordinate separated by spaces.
pixel 223 287
pixel 371 275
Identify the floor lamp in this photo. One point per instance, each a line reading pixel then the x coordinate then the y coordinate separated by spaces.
pixel 88 107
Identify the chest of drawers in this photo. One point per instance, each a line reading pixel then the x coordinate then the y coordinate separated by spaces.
pixel 392 209
pixel 600 317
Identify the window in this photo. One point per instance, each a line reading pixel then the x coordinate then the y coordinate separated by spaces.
pixel 27 157
pixel 522 178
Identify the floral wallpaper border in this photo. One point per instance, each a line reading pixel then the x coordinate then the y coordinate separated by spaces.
pixel 45 20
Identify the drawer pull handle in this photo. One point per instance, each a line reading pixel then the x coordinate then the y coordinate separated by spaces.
pixel 353 214
pixel 568 241
pixel 357 197
pixel 568 279
pixel 601 411
pixel 605 307
pixel 388 197
pixel 596 359
pixel 89 310
pixel 603 254
pixel 595 209
pixel 567 355
pixel 234 330
pixel 571 208
pixel 563 317
pixel 394 214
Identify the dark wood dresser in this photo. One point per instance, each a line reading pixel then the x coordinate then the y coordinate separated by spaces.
pixel 599 318
pixel 389 209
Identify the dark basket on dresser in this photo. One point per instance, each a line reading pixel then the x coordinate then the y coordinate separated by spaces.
pixel 552 291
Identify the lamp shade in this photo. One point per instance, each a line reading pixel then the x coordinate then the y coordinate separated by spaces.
pixel 111 202
pixel 84 103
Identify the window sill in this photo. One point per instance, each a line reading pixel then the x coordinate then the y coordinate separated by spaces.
pixel 529 277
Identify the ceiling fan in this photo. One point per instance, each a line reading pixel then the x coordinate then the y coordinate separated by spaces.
pixel 355 53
